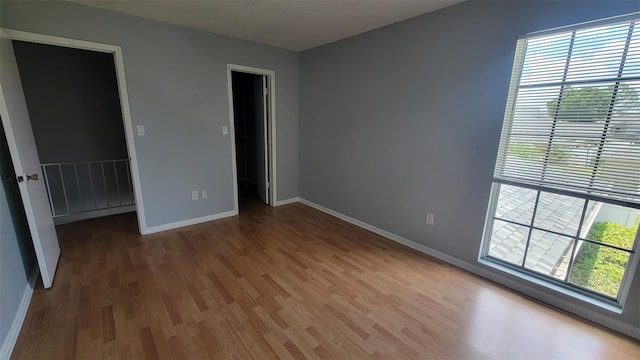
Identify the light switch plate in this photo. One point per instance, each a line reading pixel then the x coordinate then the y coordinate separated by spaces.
pixel 140 130
pixel 225 130
pixel 194 195
pixel 204 194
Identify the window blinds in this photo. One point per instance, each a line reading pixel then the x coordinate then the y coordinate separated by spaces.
pixel 572 121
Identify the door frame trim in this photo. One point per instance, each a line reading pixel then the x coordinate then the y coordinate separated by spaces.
pixel 271 76
pixel 116 51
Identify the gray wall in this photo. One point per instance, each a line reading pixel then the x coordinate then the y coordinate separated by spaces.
pixel 177 84
pixel 405 119
pixel 73 102
pixel 17 257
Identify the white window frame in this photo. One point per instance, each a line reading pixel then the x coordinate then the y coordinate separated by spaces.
pixel 563 286
pixel 548 281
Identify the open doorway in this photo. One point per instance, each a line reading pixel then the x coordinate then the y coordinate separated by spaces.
pixel 252 121
pixel 75 114
pixel 24 154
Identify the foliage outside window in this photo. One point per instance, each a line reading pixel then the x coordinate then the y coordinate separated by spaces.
pixel 566 195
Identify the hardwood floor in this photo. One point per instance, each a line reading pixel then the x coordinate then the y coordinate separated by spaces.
pixel 289 282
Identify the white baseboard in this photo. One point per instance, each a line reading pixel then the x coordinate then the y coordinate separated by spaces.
pixel 183 223
pixel 287 201
pixel 523 286
pixel 21 313
pixel 391 236
pixel 93 214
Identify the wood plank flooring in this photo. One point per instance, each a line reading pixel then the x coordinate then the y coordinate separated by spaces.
pixel 289 282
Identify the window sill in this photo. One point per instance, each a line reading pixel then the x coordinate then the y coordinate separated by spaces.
pixel 534 280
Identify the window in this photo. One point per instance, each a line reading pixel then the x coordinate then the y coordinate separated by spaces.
pixel 566 196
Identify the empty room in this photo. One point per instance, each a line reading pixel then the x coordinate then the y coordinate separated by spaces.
pixel 311 179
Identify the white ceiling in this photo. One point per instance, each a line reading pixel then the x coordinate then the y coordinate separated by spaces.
pixel 295 24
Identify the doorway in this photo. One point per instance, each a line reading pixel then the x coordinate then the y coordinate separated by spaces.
pixel 76 120
pixel 130 179
pixel 253 135
pixel 21 143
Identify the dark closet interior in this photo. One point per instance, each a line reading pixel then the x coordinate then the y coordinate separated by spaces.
pixel 245 123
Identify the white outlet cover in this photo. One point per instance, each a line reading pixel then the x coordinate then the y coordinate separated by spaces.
pixel 194 195
pixel 430 218
pixel 204 194
pixel 225 130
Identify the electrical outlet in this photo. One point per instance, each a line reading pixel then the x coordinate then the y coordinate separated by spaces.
pixel 204 194
pixel 225 130
pixel 430 218
pixel 194 195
